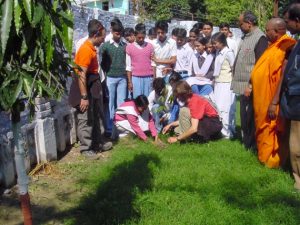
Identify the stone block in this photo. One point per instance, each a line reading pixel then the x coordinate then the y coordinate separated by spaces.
pixel 7 165
pixel 73 130
pixel 9 173
pixel 40 100
pixel 43 107
pixel 43 114
pixel 60 134
pixel 46 139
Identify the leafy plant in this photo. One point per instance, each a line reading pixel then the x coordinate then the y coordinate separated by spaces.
pixel 35 49
pixel 165 9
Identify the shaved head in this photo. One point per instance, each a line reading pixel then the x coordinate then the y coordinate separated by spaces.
pixel 275 29
pixel 278 24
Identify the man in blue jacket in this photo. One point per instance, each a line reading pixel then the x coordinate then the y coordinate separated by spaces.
pixel 290 99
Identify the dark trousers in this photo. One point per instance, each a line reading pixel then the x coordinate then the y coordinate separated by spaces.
pixel 247 122
pixel 90 126
pixel 209 127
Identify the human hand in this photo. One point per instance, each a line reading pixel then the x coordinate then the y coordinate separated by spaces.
pixel 153 58
pixel 247 92
pixel 272 111
pixel 84 105
pixel 166 70
pixel 161 120
pixel 166 129
pixel 172 140
pixel 130 86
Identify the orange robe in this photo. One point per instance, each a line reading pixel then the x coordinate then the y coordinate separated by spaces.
pixel 265 78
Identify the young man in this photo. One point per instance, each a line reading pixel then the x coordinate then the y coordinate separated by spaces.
pixel 164 49
pixel 208 28
pixel 290 101
pixel 129 35
pixel 232 44
pixel 114 66
pixel 85 93
pixel 151 33
pixel 197 116
pixel 185 53
pixel 199 26
pixel 160 102
pixel 114 21
pixel 140 70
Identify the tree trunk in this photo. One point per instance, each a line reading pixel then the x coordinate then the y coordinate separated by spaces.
pixel 275 8
pixel 20 167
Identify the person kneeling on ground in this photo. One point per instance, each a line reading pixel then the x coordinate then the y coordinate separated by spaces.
pixel 160 102
pixel 134 117
pixel 197 116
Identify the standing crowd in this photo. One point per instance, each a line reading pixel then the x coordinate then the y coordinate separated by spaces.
pixel 145 83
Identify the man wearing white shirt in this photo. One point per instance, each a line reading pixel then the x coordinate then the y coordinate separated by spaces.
pixel 232 43
pixel 185 53
pixel 164 49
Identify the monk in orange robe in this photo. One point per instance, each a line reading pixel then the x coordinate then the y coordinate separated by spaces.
pixel 266 80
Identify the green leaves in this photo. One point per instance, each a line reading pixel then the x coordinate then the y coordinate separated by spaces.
pixel 10 88
pixel 17 15
pixel 28 9
pixel 165 9
pixel 34 37
pixel 219 11
pixel 38 14
pixel 6 19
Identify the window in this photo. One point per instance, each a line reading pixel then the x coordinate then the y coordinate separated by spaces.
pixel 105 6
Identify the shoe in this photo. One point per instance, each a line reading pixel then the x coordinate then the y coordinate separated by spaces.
pixel 122 135
pixel 90 154
pixel 105 147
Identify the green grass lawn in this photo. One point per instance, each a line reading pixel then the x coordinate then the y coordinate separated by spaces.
pixel 215 183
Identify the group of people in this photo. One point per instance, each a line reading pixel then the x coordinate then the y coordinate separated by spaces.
pixel 187 85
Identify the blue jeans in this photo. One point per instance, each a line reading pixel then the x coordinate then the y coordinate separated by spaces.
pixel 202 89
pixel 117 89
pixel 157 116
pixel 174 112
pixel 142 85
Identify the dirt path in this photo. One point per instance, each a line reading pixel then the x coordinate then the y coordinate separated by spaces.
pixel 53 190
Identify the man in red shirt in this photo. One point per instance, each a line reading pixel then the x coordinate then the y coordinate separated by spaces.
pixel 197 116
pixel 85 92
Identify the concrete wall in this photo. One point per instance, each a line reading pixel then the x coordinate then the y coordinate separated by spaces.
pixel 82 15
pixel 51 130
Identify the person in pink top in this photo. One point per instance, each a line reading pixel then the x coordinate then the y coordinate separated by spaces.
pixel 134 117
pixel 139 67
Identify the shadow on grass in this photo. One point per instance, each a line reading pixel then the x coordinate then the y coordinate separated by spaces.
pixel 255 195
pixel 113 201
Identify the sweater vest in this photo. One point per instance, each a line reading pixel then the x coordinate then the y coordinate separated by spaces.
pixel 245 61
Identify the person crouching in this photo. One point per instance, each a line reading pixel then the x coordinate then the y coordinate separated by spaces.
pixel 197 116
pixel 134 117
